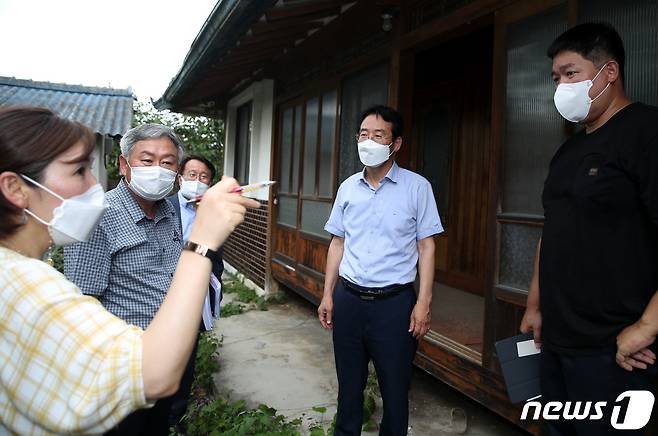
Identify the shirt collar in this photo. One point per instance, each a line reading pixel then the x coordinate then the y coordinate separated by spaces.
pixel 184 203
pixel 391 175
pixel 162 207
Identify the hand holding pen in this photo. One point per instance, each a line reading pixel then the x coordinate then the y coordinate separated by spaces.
pixel 244 188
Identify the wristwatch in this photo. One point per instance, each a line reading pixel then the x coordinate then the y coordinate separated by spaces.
pixel 203 250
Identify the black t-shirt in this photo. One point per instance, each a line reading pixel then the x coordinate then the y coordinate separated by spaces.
pixel 599 252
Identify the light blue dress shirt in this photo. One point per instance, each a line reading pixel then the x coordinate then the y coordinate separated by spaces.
pixel 382 226
pixel 187 215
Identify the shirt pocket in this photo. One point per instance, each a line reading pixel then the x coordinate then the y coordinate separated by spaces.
pixel 139 251
pixel 402 222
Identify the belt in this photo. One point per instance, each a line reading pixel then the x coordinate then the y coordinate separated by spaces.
pixel 365 293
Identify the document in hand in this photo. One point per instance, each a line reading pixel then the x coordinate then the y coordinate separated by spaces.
pixel 519 359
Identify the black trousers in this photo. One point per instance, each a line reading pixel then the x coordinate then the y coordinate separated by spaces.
pixel 145 422
pixel 166 413
pixel 590 378
pixel 181 397
pixel 377 330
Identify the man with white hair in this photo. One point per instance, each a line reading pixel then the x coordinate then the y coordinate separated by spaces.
pixel 129 261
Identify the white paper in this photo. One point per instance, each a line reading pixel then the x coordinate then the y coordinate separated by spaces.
pixel 527 348
pixel 216 285
pixel 206 314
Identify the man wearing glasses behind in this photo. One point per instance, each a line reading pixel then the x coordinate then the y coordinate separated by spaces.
pixel 382 224
pixel 195 177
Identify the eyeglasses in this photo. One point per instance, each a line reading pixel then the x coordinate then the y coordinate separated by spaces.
pixel 377 137
pixel 193 175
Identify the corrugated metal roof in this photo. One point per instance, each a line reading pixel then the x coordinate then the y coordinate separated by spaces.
pixel 106 111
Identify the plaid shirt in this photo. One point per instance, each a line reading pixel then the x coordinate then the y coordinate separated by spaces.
pixel 68 365
pixel 129 261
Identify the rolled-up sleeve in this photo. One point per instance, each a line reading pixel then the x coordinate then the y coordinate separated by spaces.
pixel 428 222
pixel 68 364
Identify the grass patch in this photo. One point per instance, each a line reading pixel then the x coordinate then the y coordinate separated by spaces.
pixel 246 298
pixel 210 414
pixel 232 308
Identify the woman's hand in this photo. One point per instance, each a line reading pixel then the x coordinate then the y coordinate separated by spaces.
pixel 220 212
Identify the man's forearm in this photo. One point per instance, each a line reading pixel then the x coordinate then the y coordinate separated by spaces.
pixel 533 291
pixel 426 270
pixel 650 316
pixel 334 256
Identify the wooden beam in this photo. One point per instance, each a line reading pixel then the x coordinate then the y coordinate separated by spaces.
pixel 301 24
pixel 253 52
pixel 310 10
pixel 272 38
pixel 233 67
pixel 451 21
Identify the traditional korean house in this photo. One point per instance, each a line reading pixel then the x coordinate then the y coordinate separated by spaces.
pixel 472 80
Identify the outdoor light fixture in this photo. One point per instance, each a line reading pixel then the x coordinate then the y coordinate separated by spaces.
pixel 387 21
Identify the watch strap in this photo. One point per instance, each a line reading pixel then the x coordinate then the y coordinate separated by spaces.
pixel 201 249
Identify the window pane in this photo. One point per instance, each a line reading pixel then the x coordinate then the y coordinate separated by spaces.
pixel 314 216
pixel 243 143
pixel 636 23
pixel 360 91
pixel 287 211
pixel 286 150
pixel 310 145
pixel 517 254
pixel 327 139
pixel 296 150
pixel 534 128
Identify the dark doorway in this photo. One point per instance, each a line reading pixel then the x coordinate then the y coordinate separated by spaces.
pixel 452 113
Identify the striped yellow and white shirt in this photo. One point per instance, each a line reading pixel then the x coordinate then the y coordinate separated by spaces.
pixel 67 364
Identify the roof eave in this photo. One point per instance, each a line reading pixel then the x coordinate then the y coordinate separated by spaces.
pixel 206 40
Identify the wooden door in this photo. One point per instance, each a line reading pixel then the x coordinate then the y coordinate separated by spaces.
pixel 452 135
pixel 306 173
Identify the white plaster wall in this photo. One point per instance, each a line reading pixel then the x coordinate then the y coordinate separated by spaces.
pixel 98 156
pixel 262 96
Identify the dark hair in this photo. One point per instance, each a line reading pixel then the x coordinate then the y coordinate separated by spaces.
pixel 30 139
pixel 386 113
pixel 596 42
pixel 205 161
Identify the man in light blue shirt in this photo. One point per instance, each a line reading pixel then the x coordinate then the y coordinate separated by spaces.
pixel 383 222
pixel 195 177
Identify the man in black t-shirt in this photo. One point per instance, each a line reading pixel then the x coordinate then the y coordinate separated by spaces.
pixel 592 301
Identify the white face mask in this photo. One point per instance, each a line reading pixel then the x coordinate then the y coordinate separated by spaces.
pixel 373 154
pixel 151 183
pixel 572 99
pixel 192 189
pixel 76 218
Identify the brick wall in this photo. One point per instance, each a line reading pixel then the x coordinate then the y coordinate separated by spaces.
pixel 246 248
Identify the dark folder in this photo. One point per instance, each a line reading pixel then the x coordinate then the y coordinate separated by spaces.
pixel 520 364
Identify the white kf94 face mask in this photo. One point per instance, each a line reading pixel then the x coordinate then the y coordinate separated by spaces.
pixel 192 189
pixel 373 154
pixel 76 218
pixel 151 183
pixel 572 99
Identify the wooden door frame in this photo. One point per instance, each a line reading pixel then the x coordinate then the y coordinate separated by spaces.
pixel 503 18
